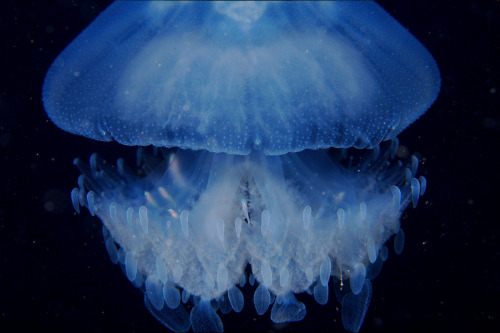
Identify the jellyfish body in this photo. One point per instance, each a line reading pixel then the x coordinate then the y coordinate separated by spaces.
pixel 247 96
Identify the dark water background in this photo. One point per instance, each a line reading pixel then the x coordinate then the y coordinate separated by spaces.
pixel 54 271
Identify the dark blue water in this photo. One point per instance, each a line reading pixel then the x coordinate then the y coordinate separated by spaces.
pixel 54 269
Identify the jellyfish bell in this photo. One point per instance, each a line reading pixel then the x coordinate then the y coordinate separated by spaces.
pixel 247 97
pixel 198 76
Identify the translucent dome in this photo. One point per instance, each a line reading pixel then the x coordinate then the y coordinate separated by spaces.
pixel 242 76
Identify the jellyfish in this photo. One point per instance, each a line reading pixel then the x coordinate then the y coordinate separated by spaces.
pixel 273 127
